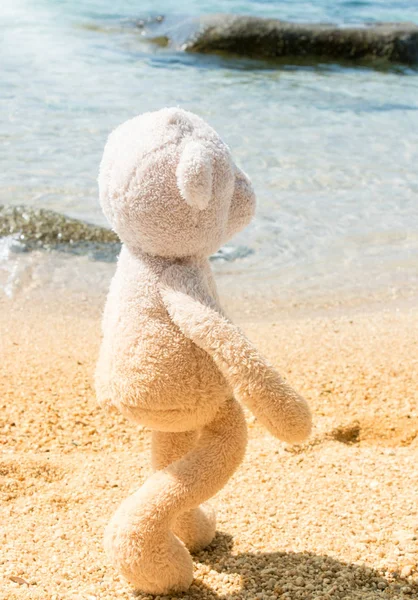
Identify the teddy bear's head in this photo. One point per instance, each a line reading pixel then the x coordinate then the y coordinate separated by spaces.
pixel 169 187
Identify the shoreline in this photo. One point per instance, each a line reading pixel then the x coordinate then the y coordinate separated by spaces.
pixel 43 249
pixel 67 277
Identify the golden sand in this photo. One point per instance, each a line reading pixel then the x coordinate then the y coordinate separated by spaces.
pixel 335 518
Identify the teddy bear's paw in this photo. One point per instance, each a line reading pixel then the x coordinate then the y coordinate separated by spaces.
pixel 196 528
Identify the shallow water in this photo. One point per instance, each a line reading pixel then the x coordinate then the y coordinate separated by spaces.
pixel 332 150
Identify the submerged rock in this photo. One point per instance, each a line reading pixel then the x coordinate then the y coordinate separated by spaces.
pixel 28 228
pixel 47 227
pixel 271 38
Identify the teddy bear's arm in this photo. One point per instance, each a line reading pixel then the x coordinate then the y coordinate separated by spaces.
pixel 254 382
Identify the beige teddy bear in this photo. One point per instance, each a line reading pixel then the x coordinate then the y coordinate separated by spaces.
pixel 170 359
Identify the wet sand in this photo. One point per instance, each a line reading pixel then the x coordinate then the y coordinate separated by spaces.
pixel 334 518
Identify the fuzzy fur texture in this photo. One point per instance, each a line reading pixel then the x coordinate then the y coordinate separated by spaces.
pixel 170 359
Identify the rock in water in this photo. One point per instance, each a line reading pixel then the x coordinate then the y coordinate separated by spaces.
pixel 27 228
pixel 271 38
pixel 44 227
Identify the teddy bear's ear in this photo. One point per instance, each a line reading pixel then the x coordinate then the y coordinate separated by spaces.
pixel 194 175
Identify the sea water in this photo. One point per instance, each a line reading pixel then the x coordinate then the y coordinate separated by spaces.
pixel 332 150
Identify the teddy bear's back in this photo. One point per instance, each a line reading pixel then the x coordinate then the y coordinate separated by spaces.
pixel 147 368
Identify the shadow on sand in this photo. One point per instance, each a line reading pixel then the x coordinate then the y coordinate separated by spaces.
pixel 291 575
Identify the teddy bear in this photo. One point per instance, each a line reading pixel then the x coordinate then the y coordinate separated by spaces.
pixel 170 359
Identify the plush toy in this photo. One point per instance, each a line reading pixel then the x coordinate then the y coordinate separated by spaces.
pixel 170 359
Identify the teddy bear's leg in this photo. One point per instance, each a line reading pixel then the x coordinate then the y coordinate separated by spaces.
pixel 167 447
pixel 196 528
pixel 139 540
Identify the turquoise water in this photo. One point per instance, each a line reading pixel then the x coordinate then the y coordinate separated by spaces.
pixel 332 151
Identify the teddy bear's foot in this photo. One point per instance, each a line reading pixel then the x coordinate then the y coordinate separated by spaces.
pixel 196 528
pixel 172 574
pixel 157 568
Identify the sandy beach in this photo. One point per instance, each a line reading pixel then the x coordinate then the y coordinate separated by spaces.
pixel 334 518
pixel 318 104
